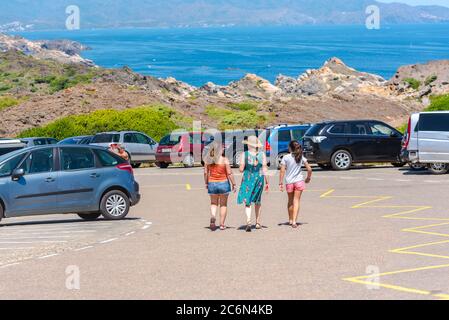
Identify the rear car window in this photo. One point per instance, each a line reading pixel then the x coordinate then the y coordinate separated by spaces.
pixel 4 151
pixel 77 159
pixel 339 128
pixel 315 130
pixel 434 122
pixel 170 140
pixel 284 136
pixel 106 138
pixel 108 159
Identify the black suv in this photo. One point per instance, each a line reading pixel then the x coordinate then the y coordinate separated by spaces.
pixel 339 144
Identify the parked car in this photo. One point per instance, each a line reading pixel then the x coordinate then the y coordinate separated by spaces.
pixel 181 147
pixel 234 146
pixel 77 140
pixel 85 180
pixel 339 144
pixel 31 142
pixel 278 138
pixel 426 141
pixel 140 147
pixel 10 145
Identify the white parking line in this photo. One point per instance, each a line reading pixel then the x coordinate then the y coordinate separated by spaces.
pixel 85 248
pixel 130 233
pixel 17 248
pixel 375 179
pixel 49 256
pixel 109 240
pixel 9 265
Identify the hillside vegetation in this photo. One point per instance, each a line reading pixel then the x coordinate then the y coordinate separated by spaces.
pixel 156 121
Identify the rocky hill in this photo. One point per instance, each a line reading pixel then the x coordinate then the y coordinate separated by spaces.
pixel 46 84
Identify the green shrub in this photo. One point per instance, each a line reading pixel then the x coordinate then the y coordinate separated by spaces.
pixel 242 120
pixel 156 121
pixel 216 113
pixel 414 83
pixel 439 103
pixel 6 102
pixel 430 79
pixel 244 106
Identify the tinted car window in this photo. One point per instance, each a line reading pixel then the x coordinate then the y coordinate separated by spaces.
pixel 38 161
pixel 106 138
pixel 339 128
pixel 358 128
pixel 85 140
pixel 7 167
pixel 141 138
pixel 108 159
pixel 77 159
pixel 129 138
pixel 40 142
pixel 8 150
pixel 434 122
pixel 315 130
pixel 52 141
pixel 379 129
pixel 170 140
pixel 284 136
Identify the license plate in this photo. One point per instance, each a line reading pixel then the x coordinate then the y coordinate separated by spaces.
pixel 166 150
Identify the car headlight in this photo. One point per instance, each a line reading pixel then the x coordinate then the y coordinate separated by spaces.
pixel 318 139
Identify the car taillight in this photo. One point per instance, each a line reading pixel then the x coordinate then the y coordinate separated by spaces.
pixel 318 139
pixel 267 146
pixel 409 132
pixel 126 167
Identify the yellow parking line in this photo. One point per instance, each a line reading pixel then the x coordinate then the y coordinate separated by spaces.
pixel 374 203
pixel 188 187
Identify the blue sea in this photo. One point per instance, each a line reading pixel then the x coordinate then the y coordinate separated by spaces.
pixel 222 55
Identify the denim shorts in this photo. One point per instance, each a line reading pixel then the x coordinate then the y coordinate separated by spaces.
pixel 219 187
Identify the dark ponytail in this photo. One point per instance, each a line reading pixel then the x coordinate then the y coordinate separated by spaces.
pixel 296 149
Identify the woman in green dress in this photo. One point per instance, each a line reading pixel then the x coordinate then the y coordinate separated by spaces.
pixel 253 165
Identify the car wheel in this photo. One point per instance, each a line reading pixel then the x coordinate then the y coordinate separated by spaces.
pixel 417 166
pixel 162 165
pixel 279 160
pixel 341 160
pixel 237 157
pixel 188 161
pixel 1 212
pixel 115 205
pixel 398 164
pixel 439 168
pixel 136 165
pixel 89 216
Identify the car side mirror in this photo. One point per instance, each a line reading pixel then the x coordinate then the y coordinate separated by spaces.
pixel 17 174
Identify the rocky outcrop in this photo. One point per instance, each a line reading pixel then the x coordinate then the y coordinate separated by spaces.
pixel 431 78
pixel 61 51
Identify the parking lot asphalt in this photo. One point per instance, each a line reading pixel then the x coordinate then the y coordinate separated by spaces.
pixel 369 233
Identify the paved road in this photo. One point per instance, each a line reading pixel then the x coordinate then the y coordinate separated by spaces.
pixel 357 227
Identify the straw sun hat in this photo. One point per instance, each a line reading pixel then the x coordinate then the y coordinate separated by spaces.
pixel 254 142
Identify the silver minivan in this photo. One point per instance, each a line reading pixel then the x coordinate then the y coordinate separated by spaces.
pixel 426 141
pixel 140 147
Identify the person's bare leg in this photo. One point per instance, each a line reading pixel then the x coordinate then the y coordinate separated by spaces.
pixel 223 209
pixel 290 207
pixel 296 206
pixel 214 201
pixel 258 213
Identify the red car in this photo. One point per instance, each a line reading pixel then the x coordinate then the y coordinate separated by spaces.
pixel 184 147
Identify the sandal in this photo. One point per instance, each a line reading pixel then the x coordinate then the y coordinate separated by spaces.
pixel 212 224
pixel 258 226
pixel 248 228
pixel 222 227
pixel 295 226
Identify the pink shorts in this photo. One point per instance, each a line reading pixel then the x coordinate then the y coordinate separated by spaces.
pixel 298 186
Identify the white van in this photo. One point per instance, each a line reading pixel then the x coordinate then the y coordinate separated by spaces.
pixel 427 141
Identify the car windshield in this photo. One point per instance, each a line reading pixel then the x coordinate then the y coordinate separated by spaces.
pixel 170 140
pixel 9 155
pixel 315 130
